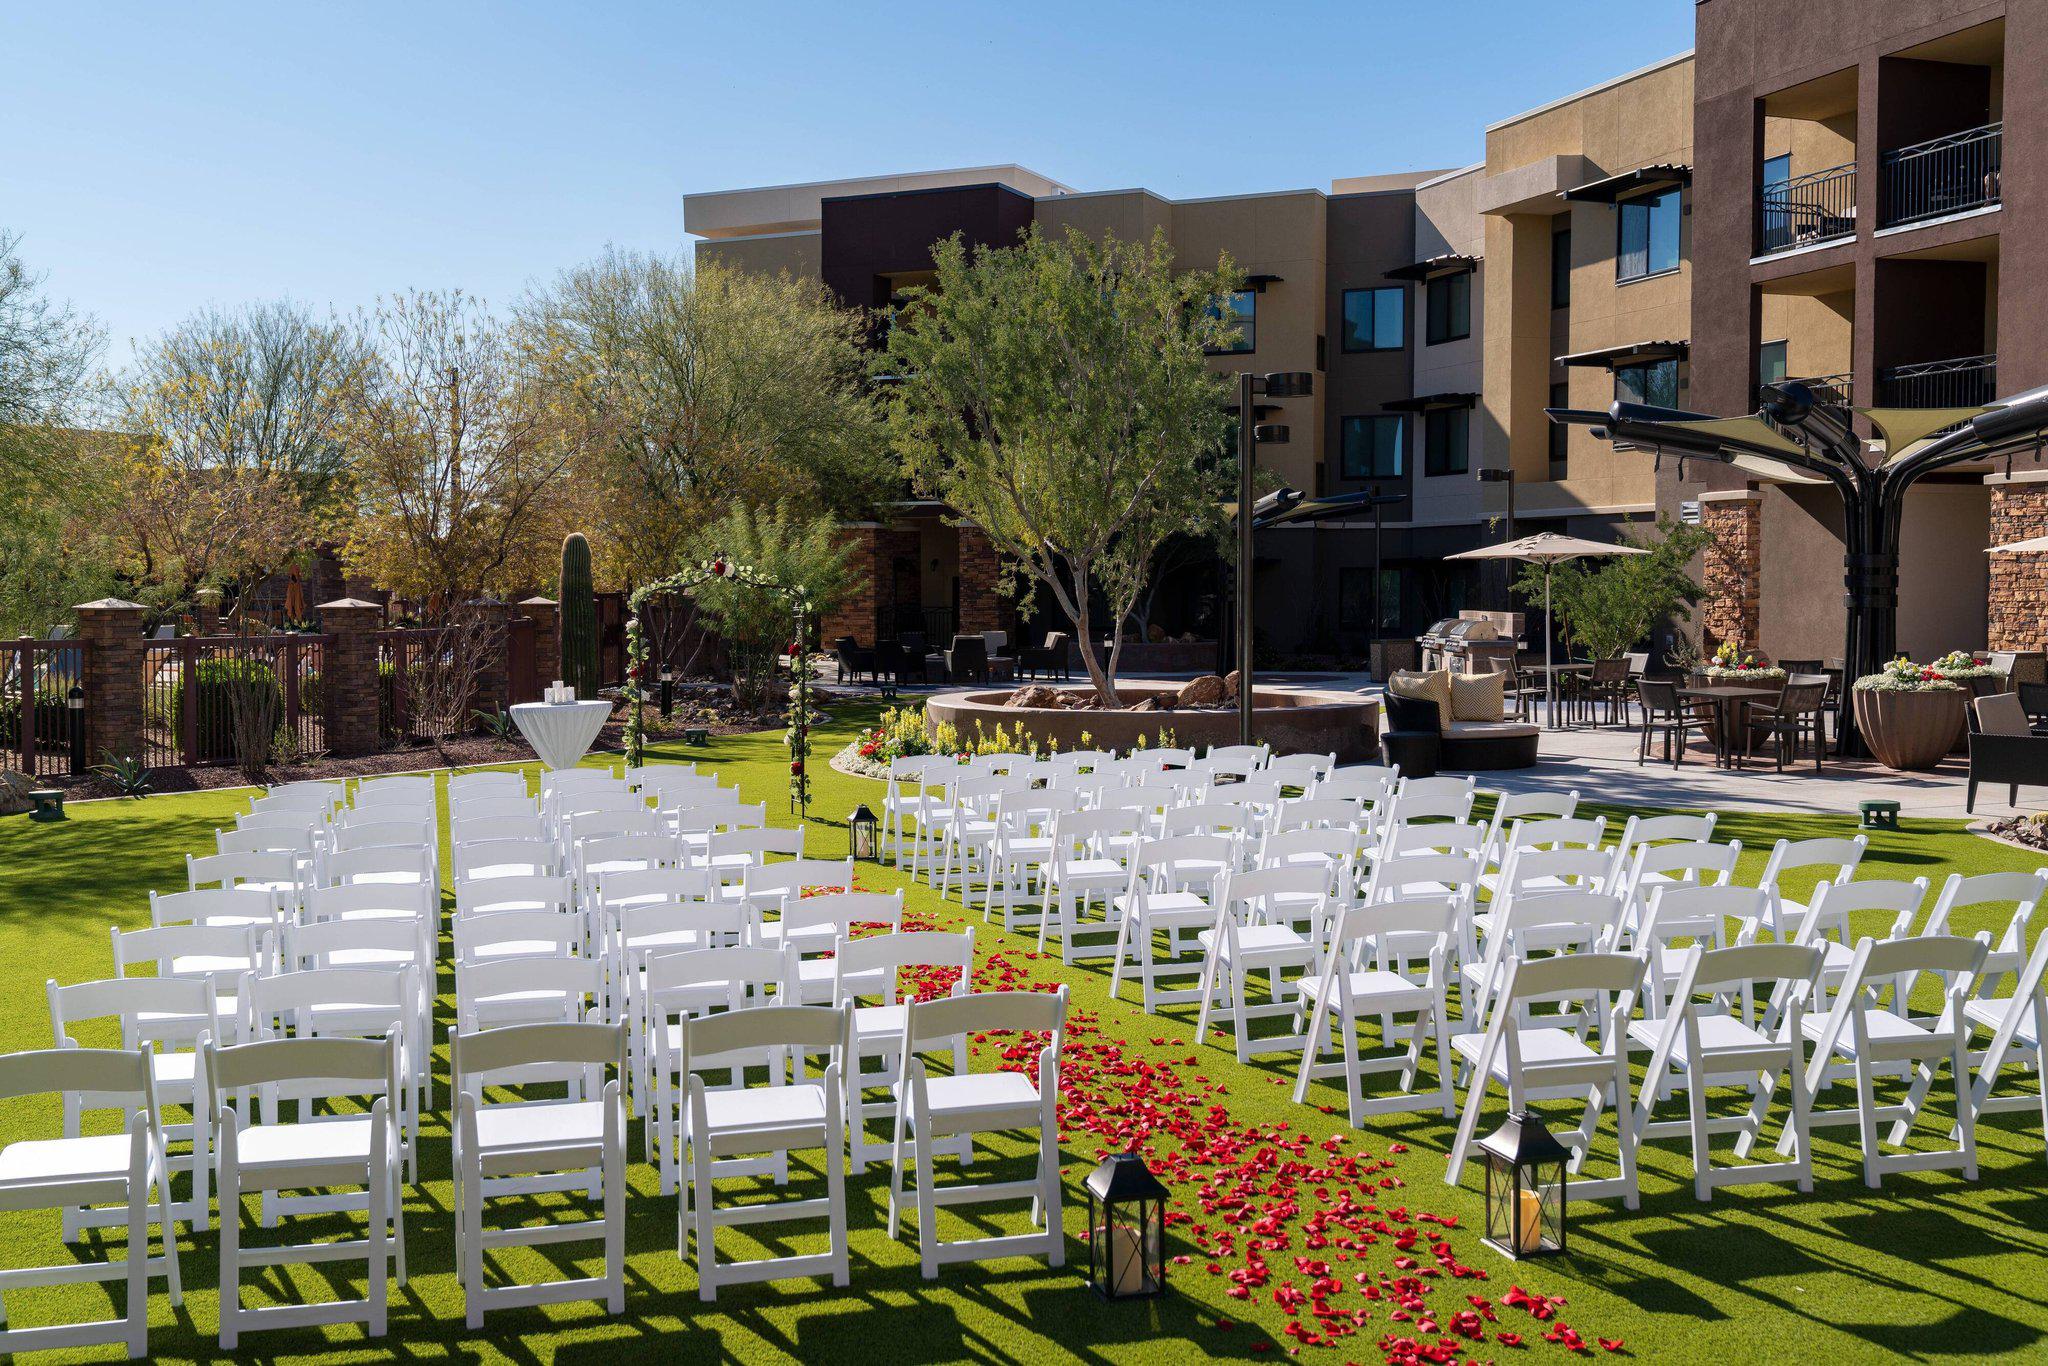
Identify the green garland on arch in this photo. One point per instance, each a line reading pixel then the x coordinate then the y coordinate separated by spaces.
pixel 798 735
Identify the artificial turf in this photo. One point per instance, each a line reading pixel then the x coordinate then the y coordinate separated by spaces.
pixel 1931 1266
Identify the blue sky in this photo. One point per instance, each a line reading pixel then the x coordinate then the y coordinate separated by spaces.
pixel 158 158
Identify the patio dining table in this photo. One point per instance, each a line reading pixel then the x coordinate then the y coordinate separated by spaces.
pixel 1731 717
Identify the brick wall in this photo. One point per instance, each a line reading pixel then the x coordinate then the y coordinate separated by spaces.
pixel 860 614
pixel 2016 615
pixel 113 664
pixel 1733 568
pixel 982 607
pixel 351 674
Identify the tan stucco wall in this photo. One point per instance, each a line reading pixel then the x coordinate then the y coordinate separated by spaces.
pixel 1944 574
pixel 794 254
pixel 1447 220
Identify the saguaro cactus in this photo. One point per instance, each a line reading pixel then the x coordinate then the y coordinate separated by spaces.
pixel 579 617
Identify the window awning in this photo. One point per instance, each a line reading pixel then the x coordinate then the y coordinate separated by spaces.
pixel 1423 403
pixel 1257 283
pixel 1452 263
pixel 1617 187
pixel 1631 354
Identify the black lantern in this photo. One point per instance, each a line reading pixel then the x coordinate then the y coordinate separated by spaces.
pixel 865 832
pixel 1525 1188
pixel 1126 1229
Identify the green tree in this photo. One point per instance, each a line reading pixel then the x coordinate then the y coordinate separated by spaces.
pixel 1055 393
pixel 789 546
pixel 699 389
pixel 47 353
pixel 1608 606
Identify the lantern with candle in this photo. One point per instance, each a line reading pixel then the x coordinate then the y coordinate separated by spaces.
pixel 864 833
pixel 1126 1229
pixel 1525 1188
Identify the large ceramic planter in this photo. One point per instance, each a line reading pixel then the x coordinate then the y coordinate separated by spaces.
pixel 1909 730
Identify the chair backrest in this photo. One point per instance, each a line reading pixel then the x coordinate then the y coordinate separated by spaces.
pixel 1879 963
pixel 382 834
pixel 1253 756
pixel 476 829
pixel 1836 858
pixel 702 818
pixel 214 953
pixel 571 779
pixel 937 961
pixel 1443 798
pixel 1423 874
pixel 1527 870
pixel 384 812
pixel 528 990
pixel 1573 922
pixel 619 853
pixel 576 1052
pixel 1301 770
pixel 487 860
pixel 276 869
pixel 969 652
pixel 1657 694
pixel 2001 713
pixel 1207 818
pixel 1404 840
pixel 1330 848
pixel 1248 894
pixel 787 841
pixel 645 927
pixel 1699 913
pixel 315 945
pixel 647 886
pixel 1326 813
pixel 768 884
pixel 843 910
pixel 926 1022
pixel 517 934
pixel 808 1029
pixel 493 784
pixel 2020 891
pixel 379 863
pixel 214 906
pixel 370 900
pixel 529 892
pixel 1080 834
pixel 325 1067
pixel 261 839
pixel 1171 861
pixel 1567 976
pixel 1512 807
pixel 145 1009
pixel 1655 864
pixel 1364 782
pixel 63 1071
pixel 737 977
pixel 1835 902
pixel 590 825
pixel 462 810
pixel 411 789
pixel 319 802
pixel 299 1003
pixel 1557 832
pixel 1394 931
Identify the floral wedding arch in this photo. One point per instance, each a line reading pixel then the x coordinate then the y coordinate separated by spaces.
pixel 798 736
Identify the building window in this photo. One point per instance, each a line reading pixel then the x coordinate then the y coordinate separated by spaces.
pixel 1561 266
pixel 1239 311
pixel 1373 446
pixel 1777 216
pixel 1649 236
pixel 1444 437
pixel 1450 307
pixel 1770 363
pixel 1373 318
pixel 1653 382
pixel 1560 449
pixel 1356 600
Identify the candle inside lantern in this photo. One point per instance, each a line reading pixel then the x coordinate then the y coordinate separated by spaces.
pixel 1124 1255
pixel 1529 1223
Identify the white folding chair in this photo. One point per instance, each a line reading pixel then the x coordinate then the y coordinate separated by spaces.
pixel 932 1109
pixel 216 906
pixel 1082 867
pixel 375 834
pixel 1018 851
pixel 1254 931
pixel 499 935
pixel 1511 807
pixel 673 987
pixel 826 924
pixel 1641 830
pixel 766 886
pixel 489 896
pixel 908 803
pixel 1546 835
pixel 401 864
pixel 166 1017
pixel 1568 922
pixel 468 829
pixel 1548 1062
pixel 271 1158
pixel 487 785
pixel 520 1147
pixel 76 1175
pixel 868 969
pixel 782 1117
pixel 968 827
pixel 378 944
pixel 1830 860
pixel 535 990
pixel 1981 896
pixel 2018 1024
pixel 495 858
pixel 1168 899
pixel 1655 867
pixel 1697 915
pixel 1709 1035
pixel 406 789
pixel 278 871
pixel 1363 975
pixel 298 841
pixel 217 955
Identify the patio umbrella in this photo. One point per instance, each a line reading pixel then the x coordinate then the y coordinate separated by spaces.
pixel 1547 548
pixel 2018 547
pixel 294 597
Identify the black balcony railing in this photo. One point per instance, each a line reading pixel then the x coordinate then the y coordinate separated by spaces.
pixel 1817 207
pixel 1965 382
pixel 1836 389
pixel 1942 176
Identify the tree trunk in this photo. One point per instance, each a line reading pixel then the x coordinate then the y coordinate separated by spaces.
pixel 1104 679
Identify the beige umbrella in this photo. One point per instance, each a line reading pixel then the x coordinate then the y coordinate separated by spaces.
pixel 1547 548
pixel 2018 547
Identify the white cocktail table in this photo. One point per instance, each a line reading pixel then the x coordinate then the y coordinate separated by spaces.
pixel 561 733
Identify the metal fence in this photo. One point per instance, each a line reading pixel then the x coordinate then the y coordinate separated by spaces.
pixel 1817 207
pixel 1965 382
pixel 41 730
pixel 401 656
pixel 198 689
pixel 1941 176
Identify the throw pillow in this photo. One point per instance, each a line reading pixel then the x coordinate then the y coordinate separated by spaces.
pixel 1478 697
pixel 1434 686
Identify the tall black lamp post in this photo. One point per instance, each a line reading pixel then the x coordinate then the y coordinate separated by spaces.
pixel 1504 475
pixel 1376 501
pixel 1251 434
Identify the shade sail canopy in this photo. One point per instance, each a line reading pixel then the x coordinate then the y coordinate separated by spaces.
pixel 2032 543
pixel 1547 547
pixel 1902 428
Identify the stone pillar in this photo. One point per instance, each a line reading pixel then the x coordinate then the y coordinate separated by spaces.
pixel 545 615
pixel 351 682
pixel 982 607
pixel 115 662
pixel 2016 611
pixel 206 611
pixel 1733 569
pixel 859 615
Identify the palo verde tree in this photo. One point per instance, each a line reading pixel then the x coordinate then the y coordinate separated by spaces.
pixel 1055 393
pixel 1608 606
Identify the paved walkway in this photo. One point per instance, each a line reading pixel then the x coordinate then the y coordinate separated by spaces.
pixel 1600 761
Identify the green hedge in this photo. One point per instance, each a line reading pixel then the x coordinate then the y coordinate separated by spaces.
pixel 212 690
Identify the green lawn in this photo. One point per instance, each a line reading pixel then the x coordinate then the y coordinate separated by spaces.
pixel 1931 1267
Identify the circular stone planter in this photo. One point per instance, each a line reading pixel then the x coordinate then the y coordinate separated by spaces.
pixel 1292 722
pixel 1909 730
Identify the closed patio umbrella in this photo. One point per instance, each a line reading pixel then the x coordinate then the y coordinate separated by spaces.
pixel 2018 547
pixel 1547 548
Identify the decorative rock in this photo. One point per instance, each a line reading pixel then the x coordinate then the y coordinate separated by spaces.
pixel 1206 691
pixel 1230 686
pixel 14 790
pixel 1036 695
pixel 1144 704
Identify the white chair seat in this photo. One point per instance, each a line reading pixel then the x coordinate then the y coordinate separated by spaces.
pixel 878 1022
pixel 1991 1014
pixel 369 958
pixel 980 1093
pixel 821 972
pixel 1538 1046
pixel 1718 1034
pixel 1885 1030
pixel 45 1159
pixel 174 1070
pixel 317 1142
pixel 1105 871
pixel 764 1109
pixel 1372 987
pixel 1261 941
pixel 1167 903
pixel 544 1124
pixel 203 964
pixel 1033 848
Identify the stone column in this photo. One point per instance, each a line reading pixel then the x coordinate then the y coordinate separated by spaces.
pixel 351 683
pixel 544 613
pixel 116 677
pixel 2016 613
pixel 982 607
pixel 206 611
pixel 1733 570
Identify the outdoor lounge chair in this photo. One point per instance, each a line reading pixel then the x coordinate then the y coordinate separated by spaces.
pixel 854 660
pixel 967 660
pixel 1418 741
pixel 1049 658
pixel 2003 748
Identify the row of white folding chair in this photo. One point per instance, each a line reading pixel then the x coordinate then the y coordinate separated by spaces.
pixel 485 785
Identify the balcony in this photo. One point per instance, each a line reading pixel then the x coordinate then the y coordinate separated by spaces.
pixel 1834 389
pixel 1805 210
pixel 1942 176
pixel 1965 382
